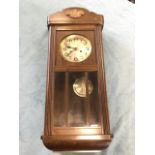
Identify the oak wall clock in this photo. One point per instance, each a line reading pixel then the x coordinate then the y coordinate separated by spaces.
pixel 76 111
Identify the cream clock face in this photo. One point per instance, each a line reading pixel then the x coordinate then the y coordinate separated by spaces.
pixel 75 48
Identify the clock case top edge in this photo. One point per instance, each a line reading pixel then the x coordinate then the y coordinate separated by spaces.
pixel 74 18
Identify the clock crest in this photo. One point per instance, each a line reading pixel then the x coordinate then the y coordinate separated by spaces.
pixel 74 13
pixel 76 111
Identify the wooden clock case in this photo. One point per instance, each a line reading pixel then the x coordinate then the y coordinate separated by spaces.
pixel 63 135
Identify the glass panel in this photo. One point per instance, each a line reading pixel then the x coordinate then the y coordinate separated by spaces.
pixel 94 102
pixel 76 113
pixel 76 100
pixel 83 104
pixel 59 100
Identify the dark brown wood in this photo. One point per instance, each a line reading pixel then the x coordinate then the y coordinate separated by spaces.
pixel 75 123
pixel 102 81
pixel 76 143
pixel 89 68
pixel 66 93
pixel 75 130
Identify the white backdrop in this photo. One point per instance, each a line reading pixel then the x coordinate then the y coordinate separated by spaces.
pixel 119 63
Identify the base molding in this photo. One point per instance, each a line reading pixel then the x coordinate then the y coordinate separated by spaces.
pixel 76 142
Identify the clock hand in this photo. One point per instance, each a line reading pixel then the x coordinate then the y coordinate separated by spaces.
pixel 74 48
pixel 69 53
pixel 68 46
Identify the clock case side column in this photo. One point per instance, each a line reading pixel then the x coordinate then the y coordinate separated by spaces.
pixel 102 82
pixel 48 122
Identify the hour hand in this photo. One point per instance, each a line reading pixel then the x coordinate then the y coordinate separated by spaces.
pixel 68 46
pixel 74 48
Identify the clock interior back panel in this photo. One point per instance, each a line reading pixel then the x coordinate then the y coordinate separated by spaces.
pixel 60 35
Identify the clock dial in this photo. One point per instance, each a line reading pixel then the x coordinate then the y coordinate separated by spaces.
pixel 75 48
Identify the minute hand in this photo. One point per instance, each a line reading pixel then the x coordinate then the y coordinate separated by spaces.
pixel 69 53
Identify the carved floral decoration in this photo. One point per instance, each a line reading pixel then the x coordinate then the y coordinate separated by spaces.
pixel 75 13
